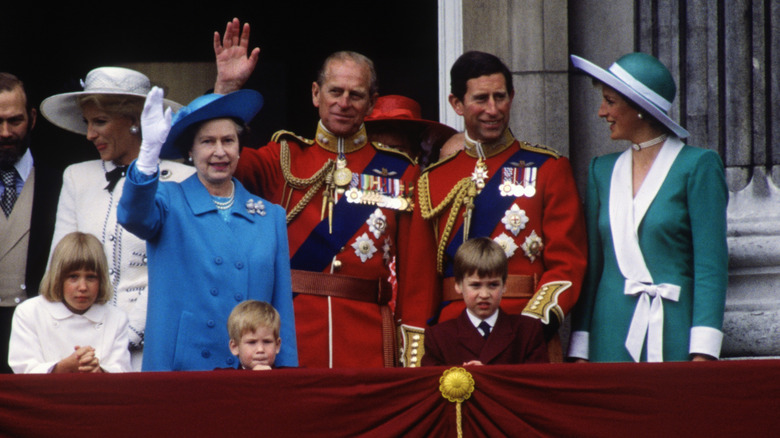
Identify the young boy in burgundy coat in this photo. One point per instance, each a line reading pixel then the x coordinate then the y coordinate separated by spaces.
pixel 483 334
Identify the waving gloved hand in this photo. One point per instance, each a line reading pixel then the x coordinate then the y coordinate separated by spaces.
pixel 155 124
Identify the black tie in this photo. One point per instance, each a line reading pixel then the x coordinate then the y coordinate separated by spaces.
pixel 9 195
pixel 485 329
pixel 114 176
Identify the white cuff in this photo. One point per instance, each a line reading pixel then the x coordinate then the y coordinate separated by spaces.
pixel 579 343
pixel 706 340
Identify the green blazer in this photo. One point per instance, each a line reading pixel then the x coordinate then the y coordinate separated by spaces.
pixel 683 240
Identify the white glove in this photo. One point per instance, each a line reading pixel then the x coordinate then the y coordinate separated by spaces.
pixel 155 124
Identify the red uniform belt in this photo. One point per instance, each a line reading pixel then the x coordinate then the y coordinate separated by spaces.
pixel 517 286
pixel 376 290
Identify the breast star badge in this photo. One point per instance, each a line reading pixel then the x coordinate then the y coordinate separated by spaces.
pixel 515 219
pixel 532 246
pixel 507 244
pixel 364 247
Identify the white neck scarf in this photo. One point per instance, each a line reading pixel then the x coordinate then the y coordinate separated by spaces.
pixel 625 216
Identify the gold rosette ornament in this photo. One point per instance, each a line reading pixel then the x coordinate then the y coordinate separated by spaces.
pixel 456 385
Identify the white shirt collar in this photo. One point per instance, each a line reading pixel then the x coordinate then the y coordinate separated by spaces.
pixel 24 165
pixel 491 320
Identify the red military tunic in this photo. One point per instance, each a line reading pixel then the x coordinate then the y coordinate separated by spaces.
pixel 538 221
pixel 354 237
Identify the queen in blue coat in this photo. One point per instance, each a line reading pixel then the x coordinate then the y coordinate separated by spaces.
pixel 210 243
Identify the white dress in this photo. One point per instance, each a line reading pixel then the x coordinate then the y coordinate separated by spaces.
pixel 85 205
pixel 45 332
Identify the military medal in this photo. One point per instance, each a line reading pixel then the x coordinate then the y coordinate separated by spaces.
pixel 509 181
pixel 529 181
pixel 342 176
pixel 512 187
pixel 480 174
pixel 380 190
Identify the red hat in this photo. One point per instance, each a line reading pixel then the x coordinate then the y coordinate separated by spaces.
pixel 395 108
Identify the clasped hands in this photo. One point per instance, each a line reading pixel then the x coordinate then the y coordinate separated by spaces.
pixel 82 360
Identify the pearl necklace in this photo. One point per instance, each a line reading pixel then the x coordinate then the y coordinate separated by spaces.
pixel 648 143
pixel 225 205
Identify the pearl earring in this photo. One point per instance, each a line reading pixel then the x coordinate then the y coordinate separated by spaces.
pixel 190 159
pixel 639 115
pixel 134 129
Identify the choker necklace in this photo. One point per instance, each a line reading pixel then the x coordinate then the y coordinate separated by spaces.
pixel 225 205
pixel 648 143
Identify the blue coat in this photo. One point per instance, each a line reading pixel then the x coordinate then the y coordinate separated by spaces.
pixel 200 267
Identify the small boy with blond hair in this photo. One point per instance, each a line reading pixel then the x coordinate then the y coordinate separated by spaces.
pixel 483 334
pixel 253 327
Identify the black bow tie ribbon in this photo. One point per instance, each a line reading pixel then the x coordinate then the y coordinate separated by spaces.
pixel 113 177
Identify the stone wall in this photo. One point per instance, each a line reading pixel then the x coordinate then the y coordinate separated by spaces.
pixel 725 57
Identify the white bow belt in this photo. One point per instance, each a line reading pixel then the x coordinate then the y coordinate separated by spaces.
pixel 648 318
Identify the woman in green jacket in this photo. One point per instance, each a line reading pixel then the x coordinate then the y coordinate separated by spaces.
pixel 655 288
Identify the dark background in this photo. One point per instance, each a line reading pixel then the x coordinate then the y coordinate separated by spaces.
pixel 52 48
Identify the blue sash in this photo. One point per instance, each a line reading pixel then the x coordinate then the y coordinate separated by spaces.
pixel 316 253
pixel 490 206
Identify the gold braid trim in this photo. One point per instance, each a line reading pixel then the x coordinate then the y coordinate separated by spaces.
pixel 462 193
pixel 314 182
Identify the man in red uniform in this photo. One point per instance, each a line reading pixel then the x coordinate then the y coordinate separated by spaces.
pixel 347 200
pixel 521 195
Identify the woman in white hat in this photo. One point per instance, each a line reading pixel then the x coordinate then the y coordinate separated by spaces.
pixel 656 215
pixel 211 243
pixel 108 112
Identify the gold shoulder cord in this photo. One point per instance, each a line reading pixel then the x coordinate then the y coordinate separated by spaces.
pixel 314 182
pixel 462 193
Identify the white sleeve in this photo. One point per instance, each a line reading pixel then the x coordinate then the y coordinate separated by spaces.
pixel 25 354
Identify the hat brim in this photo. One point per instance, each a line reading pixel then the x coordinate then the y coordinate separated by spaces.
pixel 241 104
pixel 607 78
pixel 63 110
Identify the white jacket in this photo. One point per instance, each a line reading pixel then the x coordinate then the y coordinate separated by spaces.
pixel 45 332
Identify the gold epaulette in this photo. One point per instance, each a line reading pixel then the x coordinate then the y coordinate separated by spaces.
pixel 282 135
pixel 441 161
pixel 384 148
pixel 542 149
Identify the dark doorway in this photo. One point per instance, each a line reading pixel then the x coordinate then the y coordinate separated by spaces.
pixel 52 48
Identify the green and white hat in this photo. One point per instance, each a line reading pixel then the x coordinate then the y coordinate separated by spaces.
pixel 642 79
